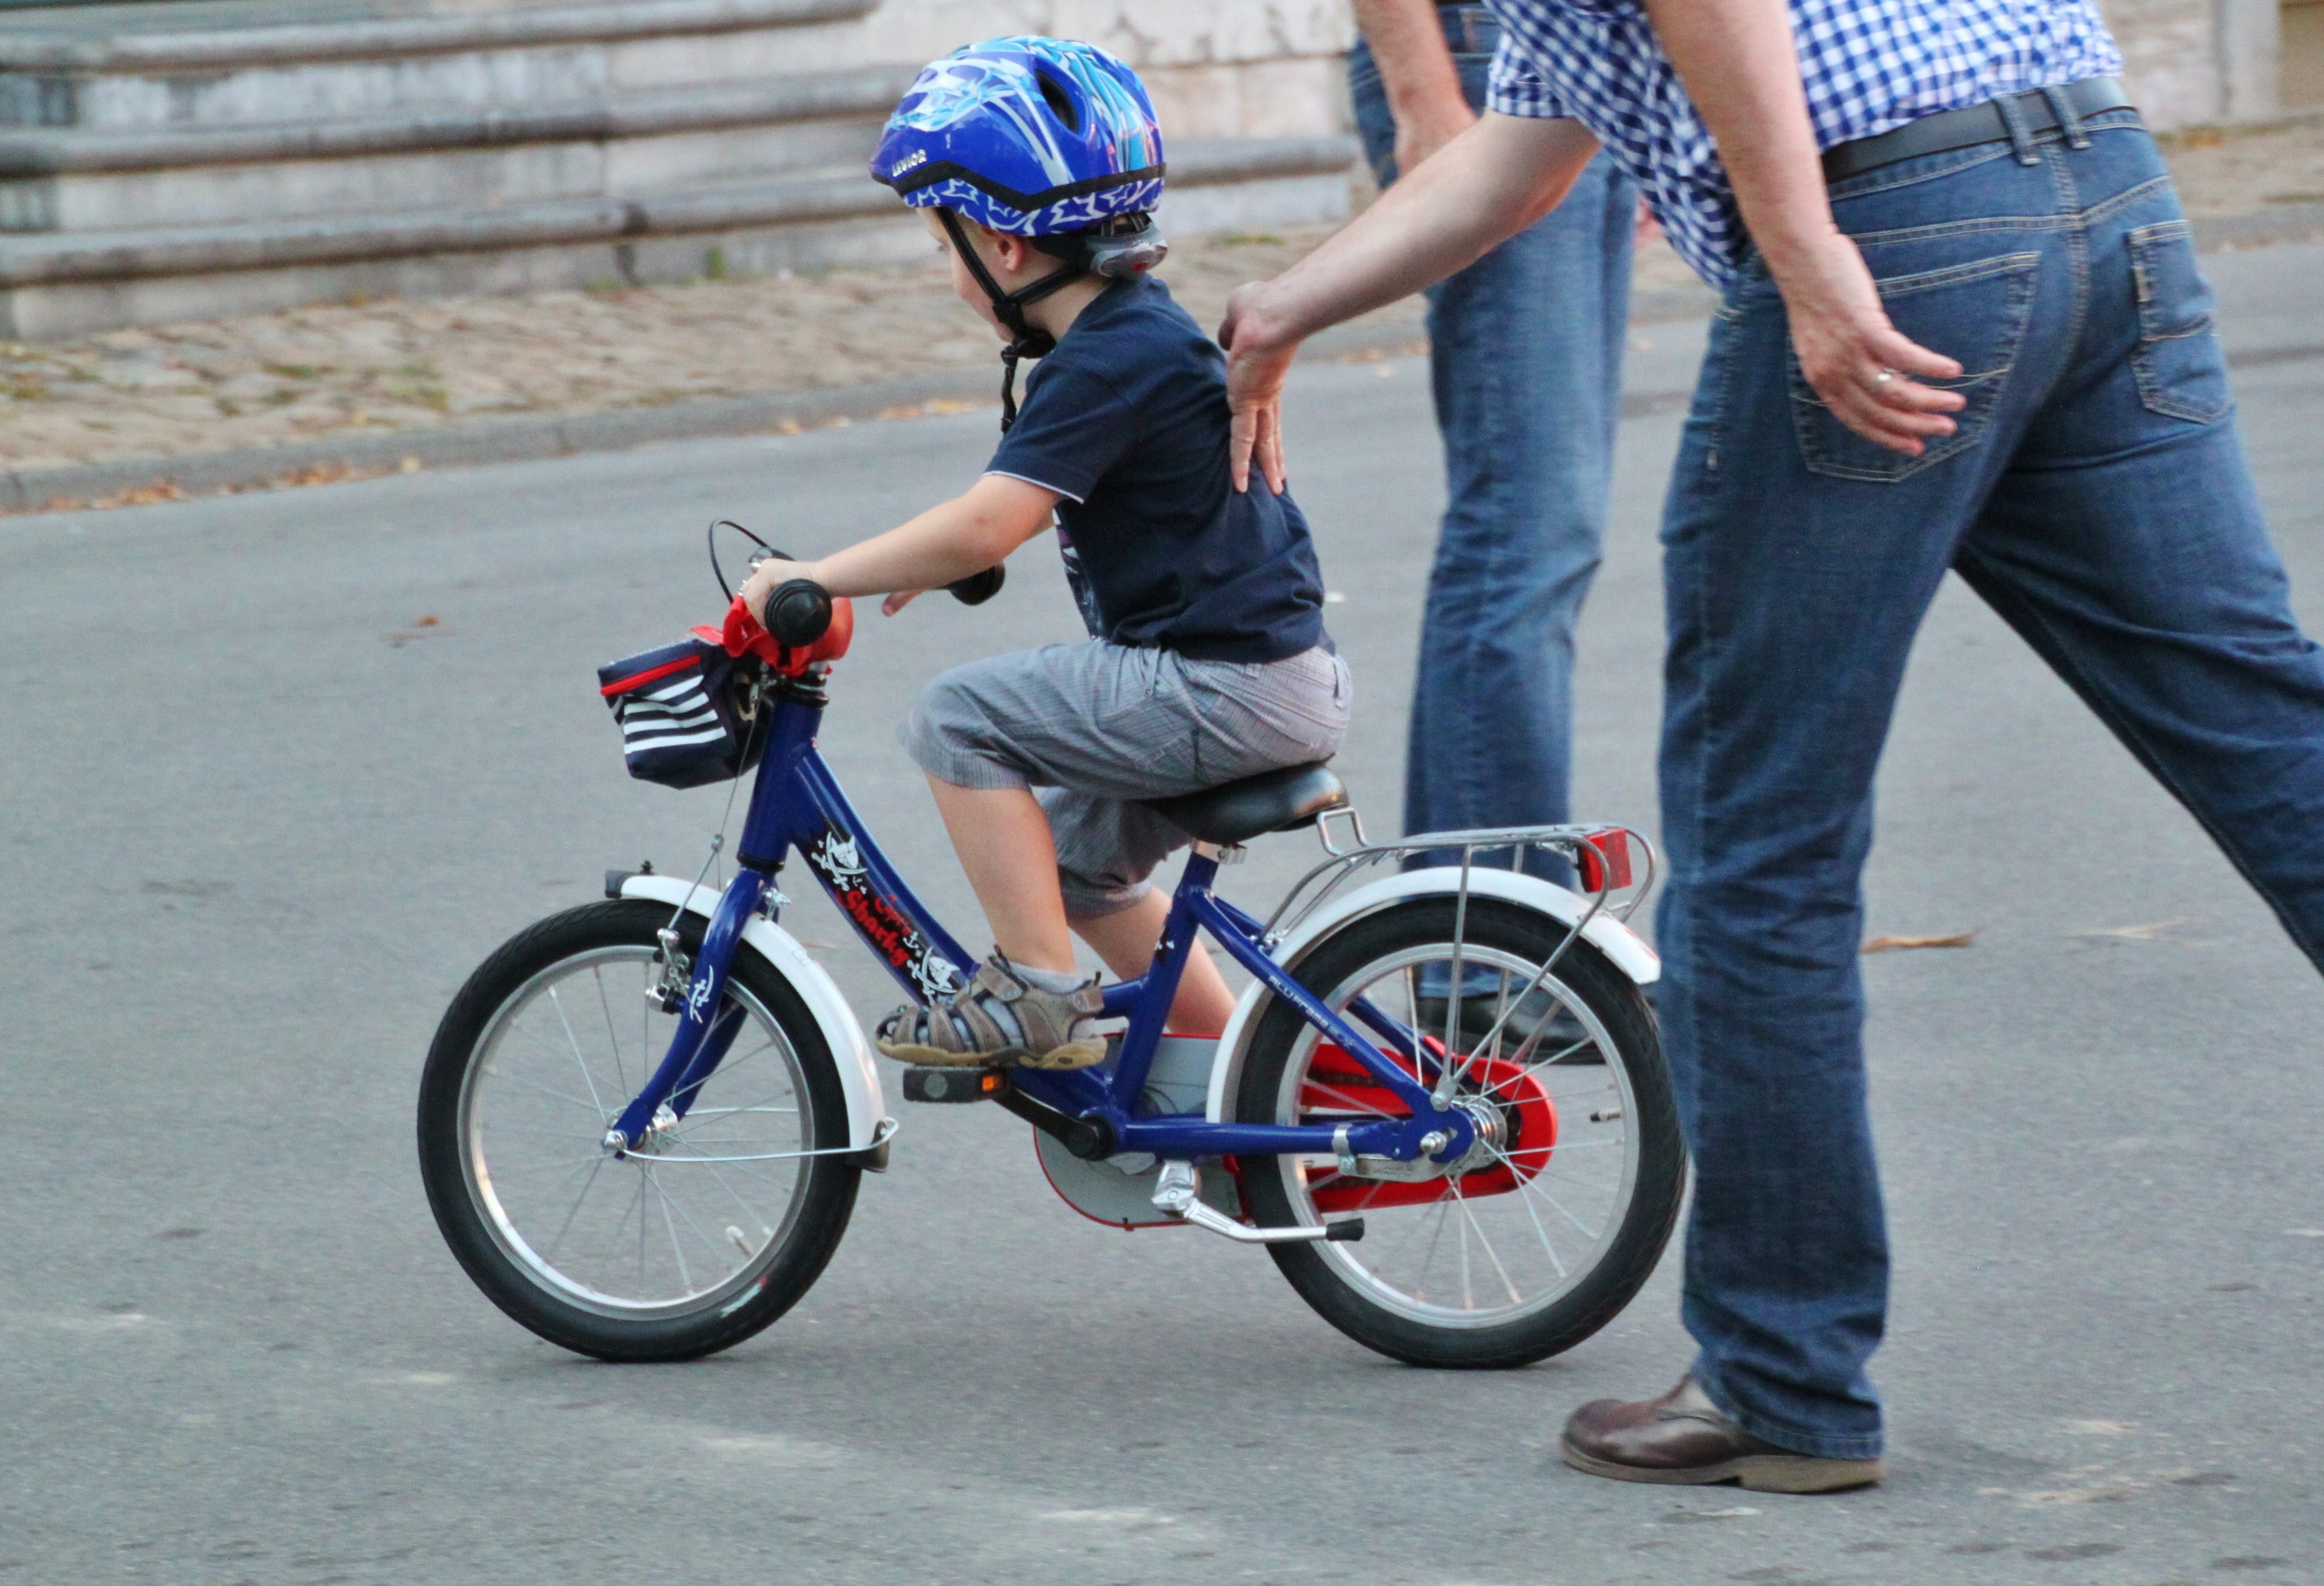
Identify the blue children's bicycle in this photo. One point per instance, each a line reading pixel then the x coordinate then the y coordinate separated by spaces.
pixel 644 1122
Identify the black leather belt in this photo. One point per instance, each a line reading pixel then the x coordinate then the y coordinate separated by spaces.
pixel 1966 129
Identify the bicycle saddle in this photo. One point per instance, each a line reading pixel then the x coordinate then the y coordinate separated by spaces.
pixel 1272 801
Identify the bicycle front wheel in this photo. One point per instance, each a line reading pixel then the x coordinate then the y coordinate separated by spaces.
pixel 1555 1218
pixel 697 1239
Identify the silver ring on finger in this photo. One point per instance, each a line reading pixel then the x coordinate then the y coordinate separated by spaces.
pixel 1883 377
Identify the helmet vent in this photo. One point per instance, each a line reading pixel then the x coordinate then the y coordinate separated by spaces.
pixel 1060 103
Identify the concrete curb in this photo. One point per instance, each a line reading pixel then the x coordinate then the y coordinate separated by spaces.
pixel 356 456
pixel 476 442
pixel 136 481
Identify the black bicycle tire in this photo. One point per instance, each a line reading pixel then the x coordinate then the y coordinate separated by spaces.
pixel 825 1205
pixel 1646 1222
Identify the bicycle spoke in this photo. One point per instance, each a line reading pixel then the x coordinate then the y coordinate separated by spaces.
pixel 578 1061
pixel 765 1227
pixel 685 1276
pixel 1367 1109
pixel 1533 1186
pixel 1490 1254
pixel 1548 1249
pixel 550 1254
pixel 516 1079
pixel 620 1073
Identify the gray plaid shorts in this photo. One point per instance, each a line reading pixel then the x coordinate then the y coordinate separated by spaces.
pixel 1094 727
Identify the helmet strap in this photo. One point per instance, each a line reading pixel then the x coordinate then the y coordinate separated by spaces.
pixel 1029 341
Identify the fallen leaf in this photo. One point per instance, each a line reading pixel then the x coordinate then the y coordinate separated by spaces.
pixel 2150 931
pixel 425 623
pixel 1898 944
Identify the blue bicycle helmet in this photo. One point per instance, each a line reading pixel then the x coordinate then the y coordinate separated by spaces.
pixel 1028 135
pixel 1046 139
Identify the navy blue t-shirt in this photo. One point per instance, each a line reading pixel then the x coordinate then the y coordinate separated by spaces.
pixel 1126 420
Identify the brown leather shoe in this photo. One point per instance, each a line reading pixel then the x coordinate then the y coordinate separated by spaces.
pixel 1680 1440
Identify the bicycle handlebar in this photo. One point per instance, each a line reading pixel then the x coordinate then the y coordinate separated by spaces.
pixel 979 587
pixel 799 611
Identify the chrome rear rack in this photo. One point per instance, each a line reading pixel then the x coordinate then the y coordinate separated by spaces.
pixel 1600 854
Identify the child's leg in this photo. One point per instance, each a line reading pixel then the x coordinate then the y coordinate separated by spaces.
pixel 1004 845
pixel 1125 939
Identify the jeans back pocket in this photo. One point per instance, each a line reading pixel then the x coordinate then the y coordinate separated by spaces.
pixel 2179 369
pixel 1974 314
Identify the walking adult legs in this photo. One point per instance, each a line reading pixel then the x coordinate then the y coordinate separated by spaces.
pixel 2096 495
pixel 1526 362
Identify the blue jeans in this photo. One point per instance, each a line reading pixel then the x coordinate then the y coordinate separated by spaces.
pixel 1525 361
pixel 2097 497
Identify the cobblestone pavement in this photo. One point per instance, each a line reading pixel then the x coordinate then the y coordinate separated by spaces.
pixel 305 374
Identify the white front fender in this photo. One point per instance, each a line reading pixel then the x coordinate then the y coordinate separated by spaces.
pixel 868 1120
pixel 1609 935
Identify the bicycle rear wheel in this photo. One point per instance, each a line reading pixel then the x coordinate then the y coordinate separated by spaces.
pixel 1558 1217
pixel 701 1236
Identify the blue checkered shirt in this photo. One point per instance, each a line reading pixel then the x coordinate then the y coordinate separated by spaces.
pixel 1868 65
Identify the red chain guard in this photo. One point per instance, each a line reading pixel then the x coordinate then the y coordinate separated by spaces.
pixel 1337 1083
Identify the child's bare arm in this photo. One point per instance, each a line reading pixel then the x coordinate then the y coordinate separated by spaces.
pixel 964 535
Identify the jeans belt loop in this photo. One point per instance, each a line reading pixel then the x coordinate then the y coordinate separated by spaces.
pixel 2021 136
pixel 2062 108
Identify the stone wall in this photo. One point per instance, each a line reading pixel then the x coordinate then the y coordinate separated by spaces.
pixel 2189 62
pixel 1272 68
pixel 1215 68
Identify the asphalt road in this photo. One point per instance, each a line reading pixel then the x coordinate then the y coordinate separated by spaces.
pixel 280 769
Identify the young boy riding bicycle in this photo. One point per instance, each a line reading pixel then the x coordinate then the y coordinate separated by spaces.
pixel 1038 162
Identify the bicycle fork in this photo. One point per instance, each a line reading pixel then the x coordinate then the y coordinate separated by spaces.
pixel 702 1041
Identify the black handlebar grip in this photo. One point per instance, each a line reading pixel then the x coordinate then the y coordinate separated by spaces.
pixel 979 587
pixel 798 613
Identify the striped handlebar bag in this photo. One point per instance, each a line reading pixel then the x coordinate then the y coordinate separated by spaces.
pixel 685 712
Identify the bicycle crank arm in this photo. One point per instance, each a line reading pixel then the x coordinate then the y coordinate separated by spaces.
pixel 1178 1195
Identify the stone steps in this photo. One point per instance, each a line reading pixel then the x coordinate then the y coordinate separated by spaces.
pixel 196 159
pixel 57 284
pixel 239 62
pixel 72 181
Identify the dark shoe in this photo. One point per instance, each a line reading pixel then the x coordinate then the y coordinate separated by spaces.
pixel 1563 1038
pixel 1680 1440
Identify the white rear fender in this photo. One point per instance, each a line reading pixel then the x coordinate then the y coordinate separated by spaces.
pixel 1609 935
pixel 868 1120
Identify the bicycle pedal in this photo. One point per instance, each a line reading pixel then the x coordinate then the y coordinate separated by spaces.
pixel 953 1085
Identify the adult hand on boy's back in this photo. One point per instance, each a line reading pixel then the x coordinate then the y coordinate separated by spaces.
pixel 1256 366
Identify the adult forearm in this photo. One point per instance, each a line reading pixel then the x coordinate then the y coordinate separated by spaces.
pixel 1482 188
pixel 1740 66
pixel 1741 69
pixel 1416 65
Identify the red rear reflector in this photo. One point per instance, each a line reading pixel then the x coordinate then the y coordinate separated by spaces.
pixel 1605 857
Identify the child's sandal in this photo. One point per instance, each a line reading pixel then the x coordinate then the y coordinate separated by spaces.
pixel 994 1020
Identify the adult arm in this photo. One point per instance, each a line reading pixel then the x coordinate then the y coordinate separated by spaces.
pixel 945 543
pixel 1481 189
pixel 1741 67
pixel 1416 70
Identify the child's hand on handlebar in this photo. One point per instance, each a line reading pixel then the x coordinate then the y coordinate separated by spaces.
pixel 770 575
pixel 899 601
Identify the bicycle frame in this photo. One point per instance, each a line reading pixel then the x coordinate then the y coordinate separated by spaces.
pixel 796 804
